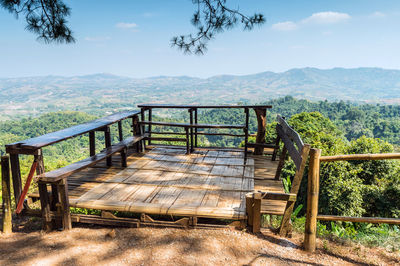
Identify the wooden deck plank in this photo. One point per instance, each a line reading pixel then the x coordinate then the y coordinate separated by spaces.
pixel 207 183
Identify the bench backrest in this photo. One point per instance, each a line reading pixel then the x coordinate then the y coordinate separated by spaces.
pixel 295 147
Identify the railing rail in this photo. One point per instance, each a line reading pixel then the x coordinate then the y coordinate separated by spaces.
pixel 260 111
pixel 34 147
pixel 313 194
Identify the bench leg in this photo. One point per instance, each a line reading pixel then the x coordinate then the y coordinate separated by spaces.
pixel 123 158
pixel 45 206
pixel 64 204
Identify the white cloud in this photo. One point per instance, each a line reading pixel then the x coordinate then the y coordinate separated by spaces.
pixel 284 26
pixel 123 25
pixel 378 14
pixel 328 17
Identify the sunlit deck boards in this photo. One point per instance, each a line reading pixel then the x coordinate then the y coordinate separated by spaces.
pixel 207 183
pixel 264 180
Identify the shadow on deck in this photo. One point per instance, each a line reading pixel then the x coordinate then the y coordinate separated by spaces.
pixel 209 183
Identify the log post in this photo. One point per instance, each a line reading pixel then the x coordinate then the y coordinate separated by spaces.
pixel 6 194
pixel 249 208
pixel 310 236
pixel 261 114
pixel 256 212
pixel 16 176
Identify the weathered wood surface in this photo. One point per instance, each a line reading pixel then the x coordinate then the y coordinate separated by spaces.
pixel 210 183
pixel 68 170
pixel 54 137
pixel 201 106
pixel 205 184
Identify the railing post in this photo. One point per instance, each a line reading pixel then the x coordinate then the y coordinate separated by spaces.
pixel 107 137
pixel 261 123
pixel 16 176
pixel 310 236
pixel 246 133
pixel 195 129
pixel 92 143
pixel 150 118
pixel 6 194
pixel 191 129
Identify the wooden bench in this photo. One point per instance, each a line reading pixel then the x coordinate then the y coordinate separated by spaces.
pixel 59 184
pixel 186 126
pixel 298 152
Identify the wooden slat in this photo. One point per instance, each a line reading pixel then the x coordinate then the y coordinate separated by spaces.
pixel 289 145
pixel 68 170
pixel 290 132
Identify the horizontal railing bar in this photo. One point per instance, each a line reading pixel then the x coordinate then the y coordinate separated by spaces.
pixel 201 106
pixel 351 157
pixel 166 139
pixel 374 220
pixel 167 133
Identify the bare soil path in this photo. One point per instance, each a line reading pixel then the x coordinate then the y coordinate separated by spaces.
pixel 163 246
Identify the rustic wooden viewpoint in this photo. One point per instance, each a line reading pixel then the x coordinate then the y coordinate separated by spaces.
pixel 169 181
pixel 298 152
pixel 56 204
pixel 313 193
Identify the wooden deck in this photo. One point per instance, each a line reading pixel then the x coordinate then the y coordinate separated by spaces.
pixel 165 181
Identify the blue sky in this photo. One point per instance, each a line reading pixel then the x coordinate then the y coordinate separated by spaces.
pixel 132 38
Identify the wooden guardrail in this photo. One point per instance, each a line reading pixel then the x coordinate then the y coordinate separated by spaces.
pixel 57 178
pixel 260 111
pixel 313 193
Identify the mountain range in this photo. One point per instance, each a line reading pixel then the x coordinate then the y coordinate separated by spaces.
pixel 101 93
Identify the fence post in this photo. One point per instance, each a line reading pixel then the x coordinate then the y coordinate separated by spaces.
pixel 5 182
pixel 310 236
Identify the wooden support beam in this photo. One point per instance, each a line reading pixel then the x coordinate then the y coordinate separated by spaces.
pixel 16 177
pixel 120 134
pixel 92 143
pixel 196 129
pixel 191 130
pixel 310 236
pixel 150 119
pixel 107 138
pixel 261 114
pixel 64 204
pixel 45 207
pixel 256 212
pixel 6 194
pixel 246 133
pixel 249 208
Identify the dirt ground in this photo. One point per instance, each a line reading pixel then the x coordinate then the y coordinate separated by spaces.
pixel 166 246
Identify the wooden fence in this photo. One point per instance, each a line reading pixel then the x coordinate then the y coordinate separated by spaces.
pixel 313 193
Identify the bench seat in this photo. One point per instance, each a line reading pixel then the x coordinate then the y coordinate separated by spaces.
pixel 58 174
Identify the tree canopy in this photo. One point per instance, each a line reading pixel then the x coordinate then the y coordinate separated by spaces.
pixel 48 20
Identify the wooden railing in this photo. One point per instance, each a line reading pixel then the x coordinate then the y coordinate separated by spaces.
pixel 260 111
pixel 34 147
pixel 313 193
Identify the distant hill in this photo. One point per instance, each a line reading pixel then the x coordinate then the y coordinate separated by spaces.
pixel 99 93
